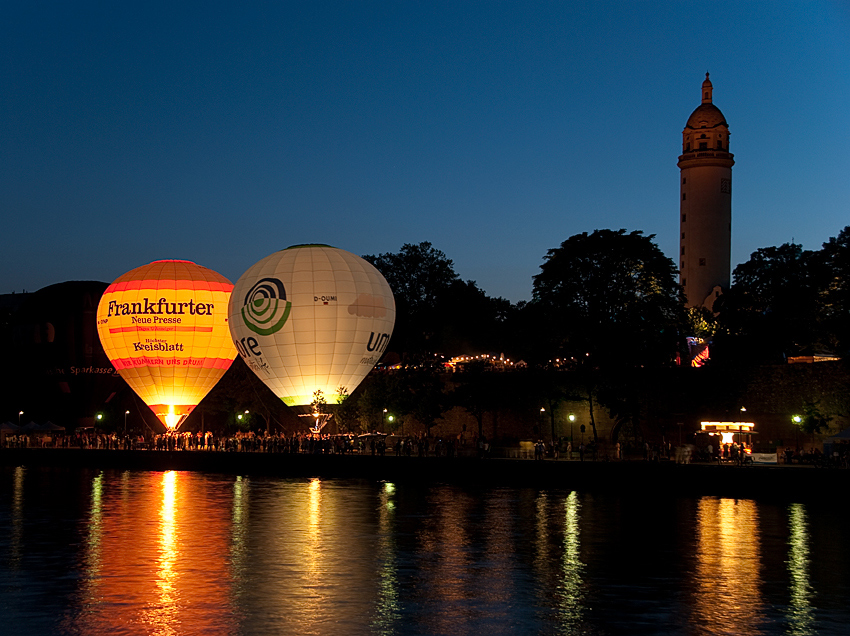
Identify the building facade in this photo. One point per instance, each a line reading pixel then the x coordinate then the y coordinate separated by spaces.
pixel 705 183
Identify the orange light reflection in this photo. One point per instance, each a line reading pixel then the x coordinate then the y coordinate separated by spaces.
pixel 142 572
pixel 728 553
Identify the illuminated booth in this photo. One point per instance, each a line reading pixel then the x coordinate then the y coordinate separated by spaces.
pixel 731 433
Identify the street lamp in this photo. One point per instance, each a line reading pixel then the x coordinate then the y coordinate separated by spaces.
pixel 19 418
pixel 796 419
pixel 572 418
pixel 126 413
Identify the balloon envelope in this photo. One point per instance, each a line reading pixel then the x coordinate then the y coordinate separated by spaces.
pixel 164 327
pixel 310 318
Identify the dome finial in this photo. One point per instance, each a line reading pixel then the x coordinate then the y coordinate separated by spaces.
pixel 706 90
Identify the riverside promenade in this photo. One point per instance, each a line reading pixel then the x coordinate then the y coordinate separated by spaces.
pixel 637 478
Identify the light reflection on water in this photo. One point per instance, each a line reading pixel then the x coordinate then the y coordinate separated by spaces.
pixel 168 554
pixel 727 598
pixel 800 616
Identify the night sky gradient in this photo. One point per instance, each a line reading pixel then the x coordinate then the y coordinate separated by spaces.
pixel 219 133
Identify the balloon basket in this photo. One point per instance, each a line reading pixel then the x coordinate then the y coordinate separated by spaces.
pixel 317 421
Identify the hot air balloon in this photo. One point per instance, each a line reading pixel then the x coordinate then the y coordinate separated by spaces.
pixel 164 327
pixel 311 318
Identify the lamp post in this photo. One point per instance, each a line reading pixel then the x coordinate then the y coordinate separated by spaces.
pixel 126 413
pixel 571 418
pixel 19 418
pixel 797 420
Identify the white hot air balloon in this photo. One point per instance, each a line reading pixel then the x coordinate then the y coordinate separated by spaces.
pixel 311 318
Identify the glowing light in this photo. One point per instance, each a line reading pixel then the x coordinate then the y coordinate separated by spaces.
pixel 735 427
pixel 164 327
pixel 171 419
pixel 311 318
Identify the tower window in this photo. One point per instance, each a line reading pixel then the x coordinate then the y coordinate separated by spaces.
pixel 702 262
pixel 683 266
pixel 719 145
pixel 683 235
pixel 683 217
pixel 703 145
pixel 687 146
pixel 683 250
pixel 684 195
pixel 684 282
pixel 684 180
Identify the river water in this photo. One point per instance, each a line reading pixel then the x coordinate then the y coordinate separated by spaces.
pixel 95 552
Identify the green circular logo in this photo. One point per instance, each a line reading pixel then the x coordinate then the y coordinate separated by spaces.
pixel 266 309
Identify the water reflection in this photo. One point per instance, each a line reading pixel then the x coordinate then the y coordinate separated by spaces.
pixel 800 616
pixel 500 547
pixel 161 612
pixel 155 557
pixel 387 599
pixel 93 540
pixel 727 595
pixel 570 591
pixel 17 529
pixel 180 553
pixel 239 534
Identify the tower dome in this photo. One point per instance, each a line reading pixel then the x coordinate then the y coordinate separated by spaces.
pixel 706 115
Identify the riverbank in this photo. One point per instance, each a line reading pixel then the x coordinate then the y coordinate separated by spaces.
pixel 636 477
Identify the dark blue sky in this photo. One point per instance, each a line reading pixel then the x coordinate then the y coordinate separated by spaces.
pixel 131 132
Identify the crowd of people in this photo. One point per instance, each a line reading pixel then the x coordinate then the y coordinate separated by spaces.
pixel 250 441
pixel 421 445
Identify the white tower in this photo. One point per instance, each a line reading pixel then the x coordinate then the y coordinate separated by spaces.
pixel 705 204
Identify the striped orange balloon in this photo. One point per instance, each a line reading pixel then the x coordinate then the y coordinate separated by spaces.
pixel 164 327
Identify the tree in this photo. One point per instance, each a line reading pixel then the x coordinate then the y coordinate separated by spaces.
pixel 476 393
pixel 348 412
pixel 836 292
pixel 774 308
pixel 607 302
pixel 418 275
pixel 436 311
pixel 421 395
pixel 813 420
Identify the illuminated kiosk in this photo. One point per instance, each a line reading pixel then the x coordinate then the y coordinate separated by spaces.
pixel 731 432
